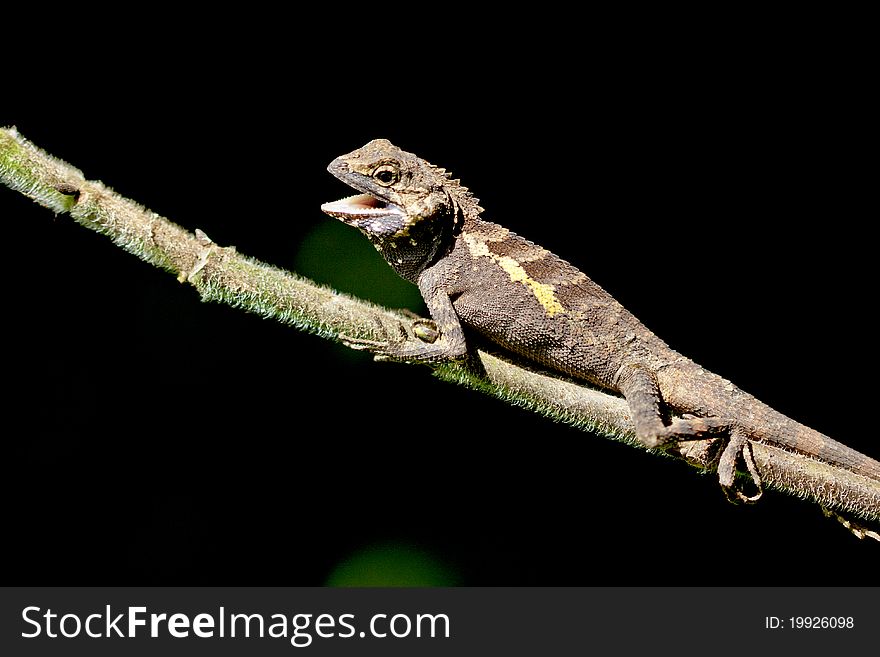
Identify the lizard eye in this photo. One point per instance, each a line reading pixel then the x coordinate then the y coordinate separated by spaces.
pixel 386 174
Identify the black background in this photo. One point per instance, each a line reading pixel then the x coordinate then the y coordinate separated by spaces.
pixel 720 194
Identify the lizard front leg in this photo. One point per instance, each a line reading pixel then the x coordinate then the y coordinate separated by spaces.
pixel 446 343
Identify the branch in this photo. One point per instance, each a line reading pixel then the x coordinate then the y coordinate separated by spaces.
pixel 220 274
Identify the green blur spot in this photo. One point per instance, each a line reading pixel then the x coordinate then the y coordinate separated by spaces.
pixel 392 564
pixel 340 256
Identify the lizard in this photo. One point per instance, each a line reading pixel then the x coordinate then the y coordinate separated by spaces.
pixel 476 274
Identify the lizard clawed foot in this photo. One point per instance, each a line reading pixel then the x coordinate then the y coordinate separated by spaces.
pixel 424 330
pixel 381 349
pixel 738 445
pixel 691 427
pixel 359 344
pixel 377 347
pixel 687 427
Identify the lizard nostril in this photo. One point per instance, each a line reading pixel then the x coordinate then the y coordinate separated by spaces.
pixel 338 166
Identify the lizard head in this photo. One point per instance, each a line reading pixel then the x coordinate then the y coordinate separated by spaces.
pixel 404 200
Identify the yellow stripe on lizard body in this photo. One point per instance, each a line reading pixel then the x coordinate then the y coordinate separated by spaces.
pixel 544 293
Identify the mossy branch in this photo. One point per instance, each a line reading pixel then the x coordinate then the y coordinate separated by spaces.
pixel 220 274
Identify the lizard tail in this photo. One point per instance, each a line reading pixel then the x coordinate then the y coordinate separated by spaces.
pixel 718 397
pixel 800 438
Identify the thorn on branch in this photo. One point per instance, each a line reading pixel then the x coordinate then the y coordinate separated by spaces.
pixel 207 249
pixel 68 189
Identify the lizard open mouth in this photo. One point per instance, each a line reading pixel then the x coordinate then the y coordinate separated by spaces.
pixel 352 209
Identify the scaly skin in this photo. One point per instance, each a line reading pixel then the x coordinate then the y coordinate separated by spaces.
pixel 522 297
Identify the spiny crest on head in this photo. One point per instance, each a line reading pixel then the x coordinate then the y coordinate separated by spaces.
pixel 467 201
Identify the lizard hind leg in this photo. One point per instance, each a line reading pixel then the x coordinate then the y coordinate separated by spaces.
pixel 639 388
pixel 642 395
